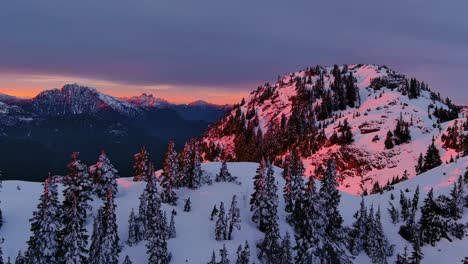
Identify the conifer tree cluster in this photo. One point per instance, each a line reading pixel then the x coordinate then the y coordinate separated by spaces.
pixel 227 221
pixel 367 235
pixel 457 137
pixel 224 175
pixel 293 174
pixel 190 173
pixel 430 160
pixel 401 134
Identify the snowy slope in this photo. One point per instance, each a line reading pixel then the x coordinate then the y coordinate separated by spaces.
pixel 365 160
pixel 195 232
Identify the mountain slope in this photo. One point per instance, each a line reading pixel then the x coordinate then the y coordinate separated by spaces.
pixel 195 232
pixel 308 110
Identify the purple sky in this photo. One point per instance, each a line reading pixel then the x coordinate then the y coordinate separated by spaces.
pixel 225 48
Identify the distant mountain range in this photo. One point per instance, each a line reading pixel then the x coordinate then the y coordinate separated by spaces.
pixel 38 134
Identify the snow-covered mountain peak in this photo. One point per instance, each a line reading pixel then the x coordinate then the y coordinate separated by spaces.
pixel 307 110
pixel 146 100
pixel 77 99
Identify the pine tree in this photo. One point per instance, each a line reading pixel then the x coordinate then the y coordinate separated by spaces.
pixel 258 198
pixel 141 165
pixel 269 247
pixel 457 199
pixel 214 213
pixel 286 254
pixel 297 177
pixel 213 259
pixel 330 220
pixel 172 229
pixel 287 190
pixel 416 255
pixel 144 211
pixel 243 255
pixel 127 260
pixel 196 179
pixel 224 174
pixel 403 259
pixel 73 238
pixel 224 255
pixel 45 226
pixel 378 247
pixel 220 228
pixel 358 233
pixel 432 158
pixel 156 225
pixel 169 175
pixel 233 218
pixel 20 259
pixel 404 206
pixel 110 240
pixel 188 205
pixel 133 232
pixel 389 140
pixel 431 224
pixel 96 239
pixel 104 175
pixel 394 214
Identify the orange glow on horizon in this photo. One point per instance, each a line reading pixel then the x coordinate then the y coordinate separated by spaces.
pixel 29 86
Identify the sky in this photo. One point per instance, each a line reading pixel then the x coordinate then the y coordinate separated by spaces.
pixel 219 51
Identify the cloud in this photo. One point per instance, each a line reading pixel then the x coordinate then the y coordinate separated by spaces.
pixel 219 44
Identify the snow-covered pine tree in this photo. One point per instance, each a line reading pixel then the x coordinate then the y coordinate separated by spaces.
pixel 405 212
pixel 258 197
pixel 155 228
pixel 223 253
pixel 188 205
pixel 432 157
pixel 224 174
pixel 287 190
pixel 269 247
pixel 457 199
pixel 146 201
pixel 221 226
pixel 432 226
pixel 20 259
pixel 358 234
pixel 133 232
pixel 420 165
pixel 141 165
pixel 297 177
pixel 45 226
pixel 185 165
pixel 171 232
pixel 403 259
pixel 213 259
pixel 286 253
pixel 127 260
pixel 214 213
pixel 417 255
pixel 329 226
pixel 378 247
pixel 233 218
pixel 244 256
pixel 104 175
pixel 169 175
pixel 110 240
pixel 96 239
pixel 197 175
pixel 394 214
pixel 73 237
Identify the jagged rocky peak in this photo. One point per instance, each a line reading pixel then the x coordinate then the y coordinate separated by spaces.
pixel 344 112
pixel 77 99
pixel 146 100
